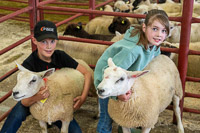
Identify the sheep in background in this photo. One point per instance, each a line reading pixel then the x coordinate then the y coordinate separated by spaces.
pixel 78 31
pixel 171 7
pixel 136 3
pixel 193 60
pixel 120 24
pixel 196 7
pixel 175 32
pixel 108 8
pixel 151 93
pixel 64 85
pixel 174 7
pixel 143 9
pixel 121 6
pixel 88 52
pixel 99 25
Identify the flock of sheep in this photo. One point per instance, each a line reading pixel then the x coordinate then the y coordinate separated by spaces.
pixel 109 28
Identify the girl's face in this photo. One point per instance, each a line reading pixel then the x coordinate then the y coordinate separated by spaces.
pixel 155 33
pixel 45 48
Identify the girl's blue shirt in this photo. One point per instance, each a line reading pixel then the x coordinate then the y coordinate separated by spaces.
pixel 125 54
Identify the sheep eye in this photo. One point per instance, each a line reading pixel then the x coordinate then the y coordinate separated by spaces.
pixel 32 81
pixel 121 79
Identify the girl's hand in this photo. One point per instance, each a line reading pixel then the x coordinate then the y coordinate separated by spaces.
pixel 125 97
pixel 78 101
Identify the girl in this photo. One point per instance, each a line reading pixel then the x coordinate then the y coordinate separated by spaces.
pixel 138 47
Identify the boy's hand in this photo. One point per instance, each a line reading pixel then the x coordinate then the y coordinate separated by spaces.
pixel 78 101
pixel 42 94
pixel 125 97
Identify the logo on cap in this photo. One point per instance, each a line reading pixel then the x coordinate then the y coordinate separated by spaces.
pixel 46 29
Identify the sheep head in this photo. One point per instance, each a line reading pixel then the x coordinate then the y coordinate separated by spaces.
pixel 120 24
pixel 29 83
pixel 117 81
pixel 73 29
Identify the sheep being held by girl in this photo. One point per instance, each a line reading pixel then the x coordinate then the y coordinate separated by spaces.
pixel 138 47
pixel 151 93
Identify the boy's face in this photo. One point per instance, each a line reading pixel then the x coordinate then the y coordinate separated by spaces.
pixel 155 33
pixel 45 48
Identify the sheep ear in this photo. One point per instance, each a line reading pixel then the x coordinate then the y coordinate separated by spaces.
pixel 117 33
pixel 137 74
pixel 110 62
pixel 101 9
pixel 47 72
pixel 20 67
pixel 79 23
pixel 123 22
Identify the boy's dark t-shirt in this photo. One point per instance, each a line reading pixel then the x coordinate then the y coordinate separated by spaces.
pixel 59 60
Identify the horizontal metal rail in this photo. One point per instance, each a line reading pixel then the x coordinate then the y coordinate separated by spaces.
pixel 8 74
pixel 90 11
pixel 19 1
pixel 5 115
pixel 5 96
pixel 86 40
pixel 9 16
pixel 15 44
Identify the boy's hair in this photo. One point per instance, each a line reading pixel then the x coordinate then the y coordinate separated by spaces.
pixel 152 15
pixel 45 29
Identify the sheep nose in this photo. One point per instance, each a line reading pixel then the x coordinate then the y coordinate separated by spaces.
pixel 100 91
pixel 15 93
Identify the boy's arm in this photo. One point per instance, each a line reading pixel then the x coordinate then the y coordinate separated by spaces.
pixel 88 80
pixel 42 94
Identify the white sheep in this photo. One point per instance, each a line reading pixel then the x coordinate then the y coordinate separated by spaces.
pixel 193 60
pixel 89 52
pixel 174 10
pixel 121 6
pixel 171 7
pixel 151 93
pixel 64 85
pixel 99 25
pixel 175 32
pixel 196 7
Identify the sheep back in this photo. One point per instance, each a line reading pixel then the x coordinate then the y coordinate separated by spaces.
pixel 99 25
pixel 88 52
pixel 152 93
pixel 64 85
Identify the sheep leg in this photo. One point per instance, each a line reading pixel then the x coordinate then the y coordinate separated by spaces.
pixel 65 126
pixel 177 111
pixel 126 130
pixel 43 125
pixel 146 130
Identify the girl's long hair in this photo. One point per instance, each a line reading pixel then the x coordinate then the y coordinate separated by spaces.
pixel 152 15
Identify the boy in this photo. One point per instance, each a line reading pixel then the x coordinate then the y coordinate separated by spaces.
pixel 45 57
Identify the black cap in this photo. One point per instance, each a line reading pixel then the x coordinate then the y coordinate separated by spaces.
pixel 45 29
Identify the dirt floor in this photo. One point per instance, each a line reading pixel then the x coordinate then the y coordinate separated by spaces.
pixel 85 114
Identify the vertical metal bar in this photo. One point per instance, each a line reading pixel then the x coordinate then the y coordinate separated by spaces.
pixel 184 45
pixel 33 19
pixel 91 6
pixel 41 12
